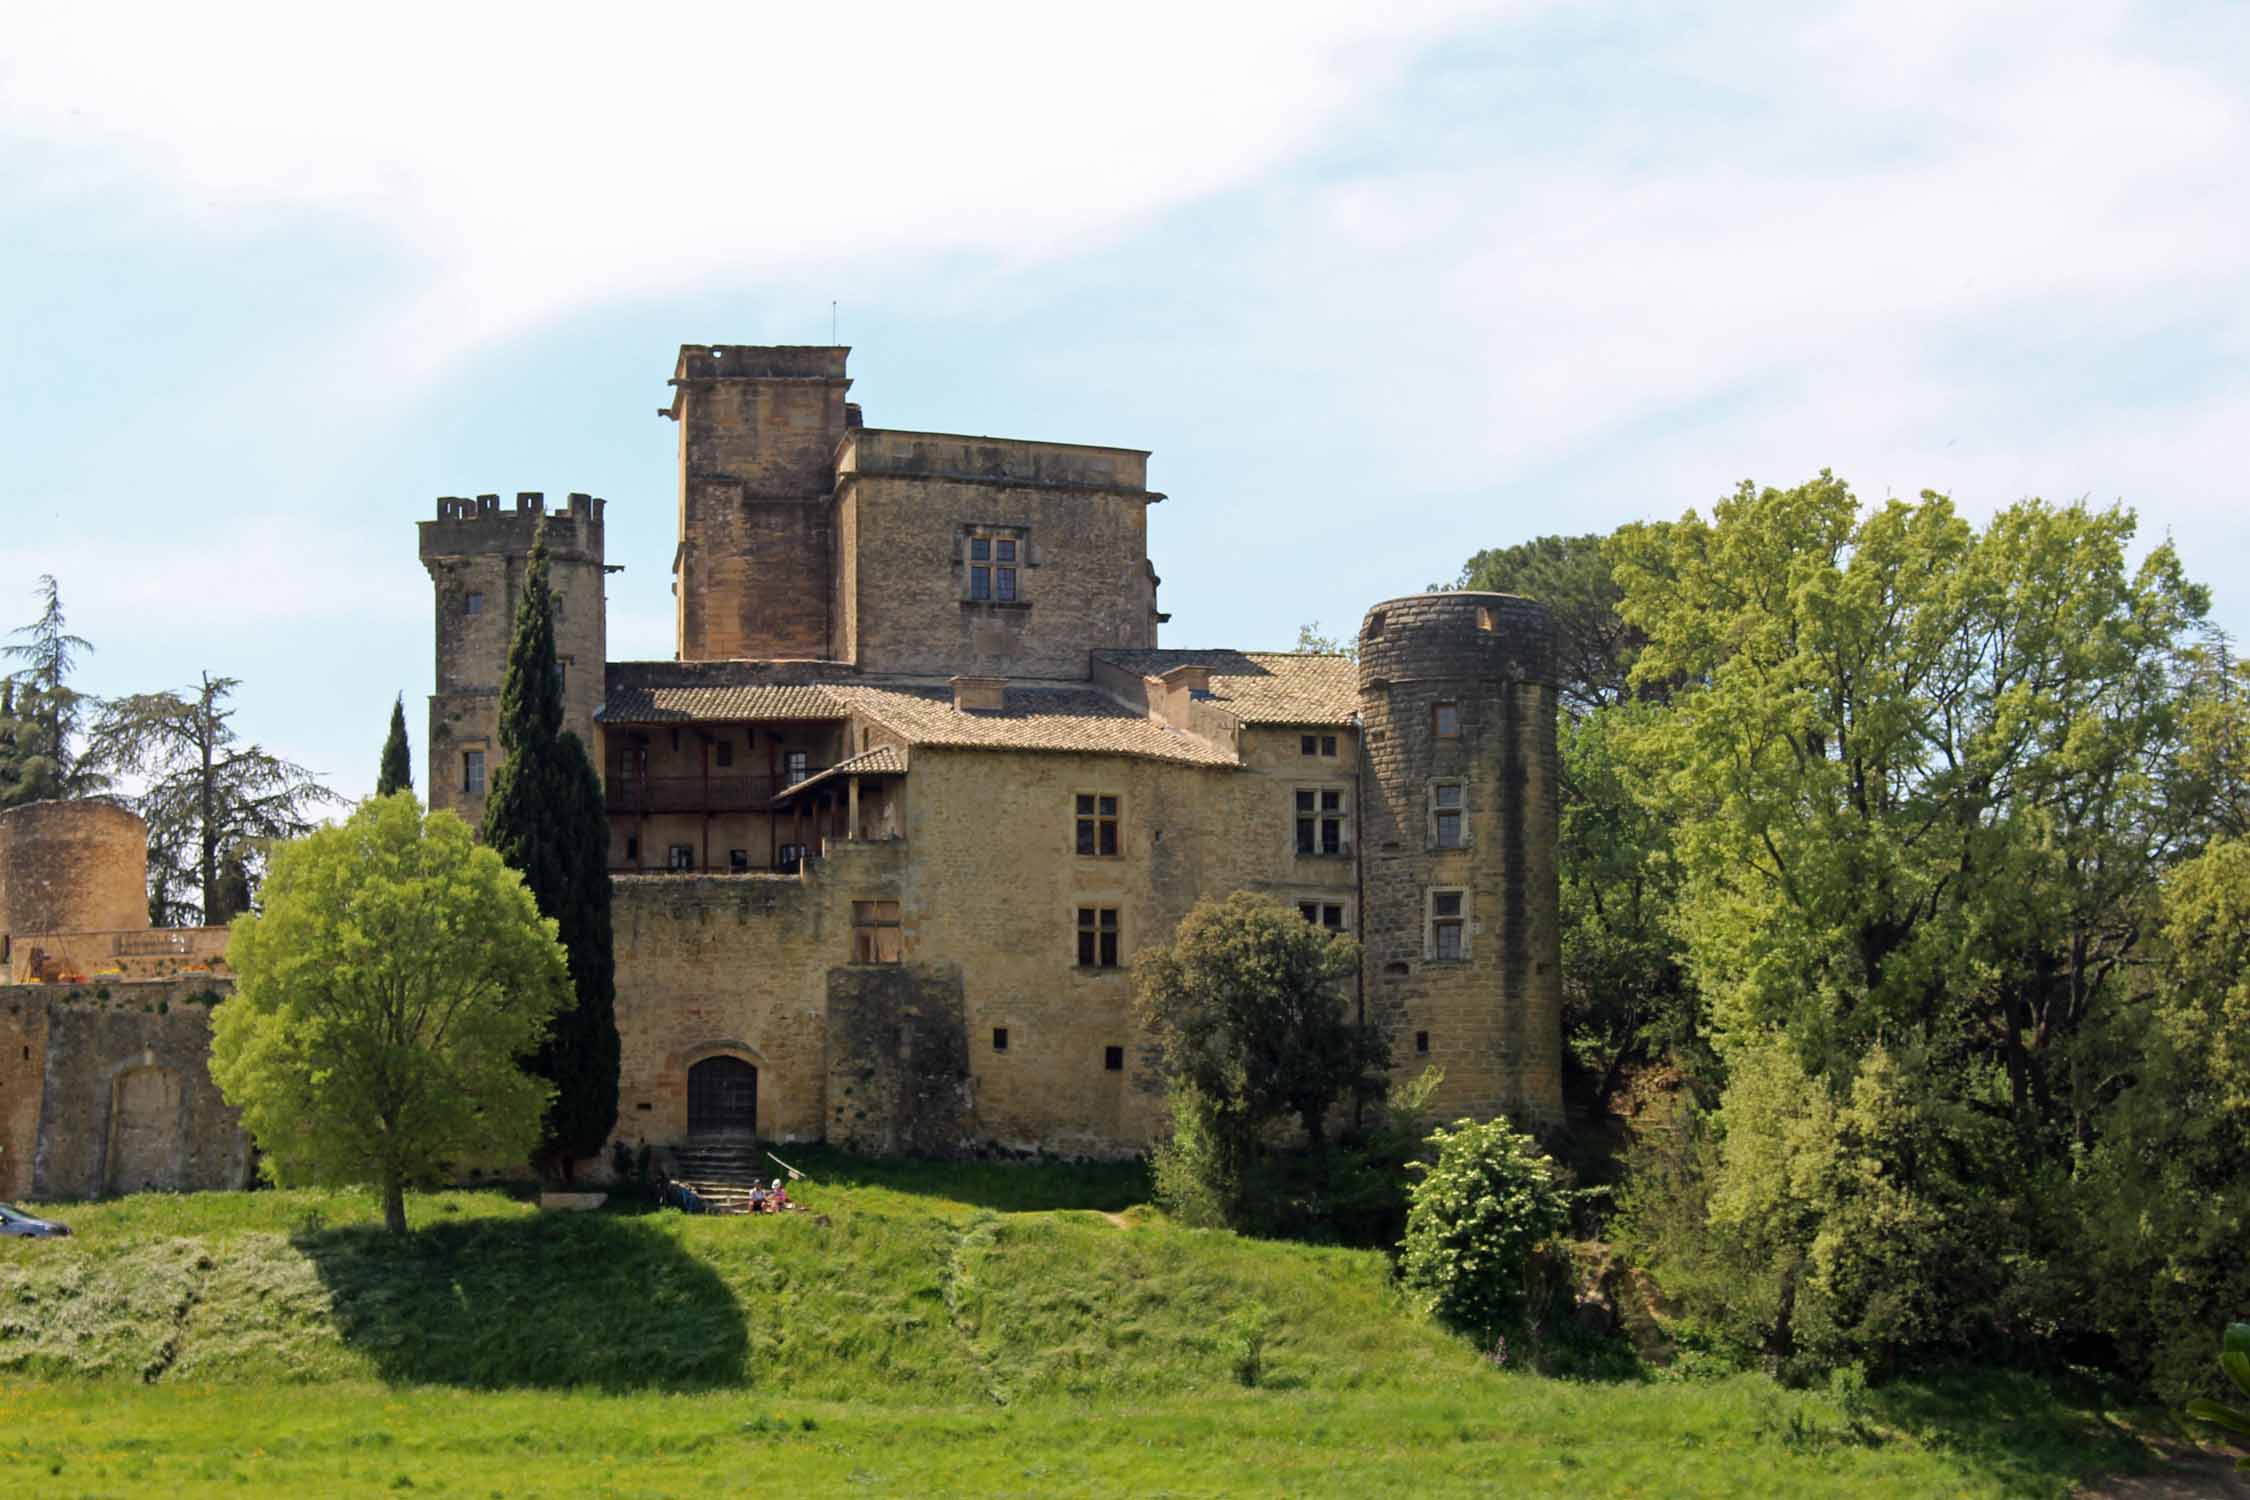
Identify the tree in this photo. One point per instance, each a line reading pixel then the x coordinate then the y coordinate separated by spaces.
pixel 40 713
pixel 1309 639
pixel 1477 1217
pixel 211 802
pixel 1915 781
pixel 397 774
pixel 546 818
pixel 1247 1005
pixel 384 999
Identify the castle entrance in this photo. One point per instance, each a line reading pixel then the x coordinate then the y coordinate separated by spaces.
pixel 722 1097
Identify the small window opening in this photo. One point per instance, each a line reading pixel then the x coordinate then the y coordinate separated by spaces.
pixel 472 772
pixel 632 849
pixel 723 752
pixel 738 860
pixel 680 857
pixel 999 1038
pixel 1445 720
pixel 473 604
pixel 1445 807
pixel 1421 1041
pixel 1322 914
pixel 1484 618
pixel 1375 623
pixel 1328 745
pixel 1113 1059
pixel 1097 937
pixel 1097 824
pixel 875 933
pixel 1446 925
pixel 1308 745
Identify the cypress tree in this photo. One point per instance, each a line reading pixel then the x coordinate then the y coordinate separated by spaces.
pixel 545 817
pixel 397 774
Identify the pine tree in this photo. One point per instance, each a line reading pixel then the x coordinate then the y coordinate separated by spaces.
pixel 40 712
pixel 397 774
pixel 546 819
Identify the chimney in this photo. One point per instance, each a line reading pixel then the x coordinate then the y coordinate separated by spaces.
pixel 972 693
pixel 1191 680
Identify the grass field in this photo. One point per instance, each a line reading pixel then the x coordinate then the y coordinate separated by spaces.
pixel 977 1330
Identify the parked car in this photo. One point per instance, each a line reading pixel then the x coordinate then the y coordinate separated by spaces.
pixel 14 1221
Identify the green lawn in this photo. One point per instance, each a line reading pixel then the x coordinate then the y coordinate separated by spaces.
pixel 974 1330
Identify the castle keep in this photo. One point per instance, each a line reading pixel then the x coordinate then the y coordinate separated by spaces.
pixel 920 780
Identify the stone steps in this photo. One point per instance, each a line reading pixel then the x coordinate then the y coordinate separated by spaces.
pixel 721 1171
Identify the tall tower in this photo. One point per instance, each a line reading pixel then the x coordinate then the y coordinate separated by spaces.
pixel 477 554
pixel 759 426
pixel 1463 932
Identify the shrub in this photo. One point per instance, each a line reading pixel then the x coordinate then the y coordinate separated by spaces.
pixel 1476 1219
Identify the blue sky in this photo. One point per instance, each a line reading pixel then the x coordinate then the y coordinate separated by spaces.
pixel 1379 286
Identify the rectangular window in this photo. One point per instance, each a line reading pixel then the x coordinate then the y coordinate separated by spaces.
pixel 1308 745
pixel 1447 828
pixel 999 1038
pixel 473 605
pixel 1328 745
pixel 1322 914
pixel 738 860
pixel 1113 1059
pixel 980 583
pixel 1421 1041
pixel 472 772
pixel 795 767
pixel 1097 823
pixel 722 753
pixel 632 850
pixel 1322 821
pixel 875 933
pixel 680 857
pixel 994 564
pixel 789 858
pixel 1445 720
pixel 1097 937
pixel 1449 924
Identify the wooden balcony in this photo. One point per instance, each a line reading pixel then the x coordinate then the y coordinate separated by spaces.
pixel 723 792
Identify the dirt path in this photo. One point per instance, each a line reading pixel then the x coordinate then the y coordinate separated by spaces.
pixel 2191 1479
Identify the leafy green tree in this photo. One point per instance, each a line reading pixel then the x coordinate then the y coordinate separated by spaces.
pixel 385 996
pixel 1915 782
pixel 1477 1217
pixel 41 714
pixel 397 774
pixel 1310 639
pixel 212 803
pixel 2234 1363
pixel 545 817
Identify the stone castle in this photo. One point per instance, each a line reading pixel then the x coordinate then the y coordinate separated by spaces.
pixel 888 830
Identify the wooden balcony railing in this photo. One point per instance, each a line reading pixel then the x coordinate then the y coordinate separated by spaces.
pixel 698 794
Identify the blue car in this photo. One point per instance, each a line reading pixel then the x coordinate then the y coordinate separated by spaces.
pixel 13 1221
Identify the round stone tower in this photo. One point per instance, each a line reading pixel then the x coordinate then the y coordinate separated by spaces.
pixel 1457 842
pixel 78 866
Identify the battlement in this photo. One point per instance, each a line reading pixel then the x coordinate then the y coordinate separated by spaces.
pixel 819 362
pixel 478 524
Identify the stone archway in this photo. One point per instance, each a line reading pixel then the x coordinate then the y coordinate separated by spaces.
pixel 722 1097
pixel 147 1138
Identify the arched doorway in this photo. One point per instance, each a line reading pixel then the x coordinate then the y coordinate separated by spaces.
pixel 722 1097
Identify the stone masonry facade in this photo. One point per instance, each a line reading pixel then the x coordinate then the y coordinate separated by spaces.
pixel 919 781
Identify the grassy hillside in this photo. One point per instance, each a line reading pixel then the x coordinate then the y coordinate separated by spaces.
pixel 971 1330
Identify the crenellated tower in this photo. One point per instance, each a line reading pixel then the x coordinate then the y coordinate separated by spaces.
pixel 476 554
pixel 1463 933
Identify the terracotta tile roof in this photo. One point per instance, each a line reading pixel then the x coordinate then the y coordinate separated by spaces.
pixel 883 760
pixel 1262 687
pixel 641 703
pixel 1070 719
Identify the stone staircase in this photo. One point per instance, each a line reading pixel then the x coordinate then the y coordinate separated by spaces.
pixel 721 1168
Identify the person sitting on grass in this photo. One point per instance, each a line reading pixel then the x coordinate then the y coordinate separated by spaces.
pixel 757 1197
pixel 777 1201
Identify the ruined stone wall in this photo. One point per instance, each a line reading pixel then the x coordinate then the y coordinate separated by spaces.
pixel 474 548
pixel 126 1102
pixel 1492 1017
pixel 758 434
pixel 910 502
pixel 72 867
pixel 898 1064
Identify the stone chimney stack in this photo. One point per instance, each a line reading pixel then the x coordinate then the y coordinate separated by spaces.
pixel 973 693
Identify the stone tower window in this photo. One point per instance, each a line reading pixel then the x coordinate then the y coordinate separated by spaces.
pixel 472 773
pixel 995 564
pixel 1448 823
pixel 1097 937
pixel 1484 618
pixel 1097 823
pixel 1445 720
pixel 1448 936
pixel 999 1038
pixel 473 604
pixel 1113 1059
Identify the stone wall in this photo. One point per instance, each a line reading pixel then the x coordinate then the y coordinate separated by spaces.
pixel 898 1063
pixel 1492 1017
pixel 909 502
pixel 125 1101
